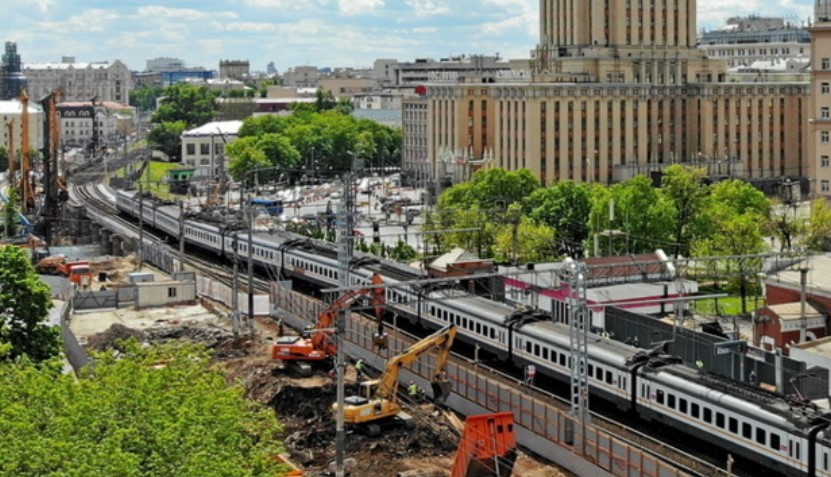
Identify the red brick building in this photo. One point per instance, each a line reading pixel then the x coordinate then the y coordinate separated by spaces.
pixel 776 326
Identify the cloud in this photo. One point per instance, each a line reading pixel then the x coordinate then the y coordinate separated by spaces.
pixel 168 13
pixel 427 8
pixel 357 7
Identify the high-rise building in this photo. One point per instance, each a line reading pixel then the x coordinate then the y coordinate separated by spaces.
pixel 819 130
pixel 159 65
pixel 747 40
pixel 234 69
pixel 618 89
pixel 12 81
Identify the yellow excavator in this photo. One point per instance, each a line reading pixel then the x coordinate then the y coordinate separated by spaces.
pixel 377 405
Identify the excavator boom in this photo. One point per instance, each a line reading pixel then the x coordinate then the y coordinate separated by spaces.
pixel 319 346
pixel 379 402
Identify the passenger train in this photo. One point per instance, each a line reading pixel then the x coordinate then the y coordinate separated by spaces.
pixel 791 438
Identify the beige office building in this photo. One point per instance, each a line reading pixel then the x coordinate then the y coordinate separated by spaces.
pixel 618 89
pixel 820 122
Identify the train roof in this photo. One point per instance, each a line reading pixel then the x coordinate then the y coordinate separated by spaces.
pixel 799 413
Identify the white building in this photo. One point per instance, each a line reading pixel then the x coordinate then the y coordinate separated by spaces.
pixel 204 147
pixel 12 112
pixel 81 81
pixel 78 129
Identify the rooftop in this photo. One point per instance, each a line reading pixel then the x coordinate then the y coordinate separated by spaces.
pixel 14 107
pixel 793 311
pixel 214 128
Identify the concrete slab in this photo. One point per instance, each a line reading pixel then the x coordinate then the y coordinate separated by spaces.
pixel 87 324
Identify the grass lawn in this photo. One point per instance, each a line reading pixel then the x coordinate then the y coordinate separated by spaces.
pixel 155 176
pixel 728 306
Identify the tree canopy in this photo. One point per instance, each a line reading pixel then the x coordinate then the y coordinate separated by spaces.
pixel 160 411
pixel 167 138
pixel 25 301
pixel 195 105
pixel 145 97
pixel 324 141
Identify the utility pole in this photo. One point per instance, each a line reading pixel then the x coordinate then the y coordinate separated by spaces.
pixel 141 226
pixel 250 265
pixel 803 285
pixel 579 323
pixel 345 217
pixel 235 288
pixel 181 235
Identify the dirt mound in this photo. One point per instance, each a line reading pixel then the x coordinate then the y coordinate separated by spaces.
pixel 210 337
pixel 107 339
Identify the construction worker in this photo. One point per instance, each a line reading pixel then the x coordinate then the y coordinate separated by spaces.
pixel 412 390
pixel 359 367
pixel 280 327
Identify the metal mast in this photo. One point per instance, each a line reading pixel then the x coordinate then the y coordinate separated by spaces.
pixel 344 233
pixel 579 324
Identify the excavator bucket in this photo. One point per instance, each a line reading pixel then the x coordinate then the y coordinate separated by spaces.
pixel 441 391
pixel 380 340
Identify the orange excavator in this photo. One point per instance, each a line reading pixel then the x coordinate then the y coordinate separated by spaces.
pixel 488 447
pixel 316 344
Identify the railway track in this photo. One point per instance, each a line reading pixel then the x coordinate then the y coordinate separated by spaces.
pixel 208 266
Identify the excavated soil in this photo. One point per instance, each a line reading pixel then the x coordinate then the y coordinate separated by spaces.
pixel 304 407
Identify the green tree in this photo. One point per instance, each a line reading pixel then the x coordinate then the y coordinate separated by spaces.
pixel 324 100
pixel 265 124
pixel 491 189
pixel 565 207
pixel 641 213
pixel 818 230
pixel 10 213
pixel 154 412
pixel 685 187
pixel 786 225
pixel 145 97
pixel 4 158
pixel 246 158
pixel 522 241
pixel 25 301
pixel 167 138
pixel 195 105
pixel 344 106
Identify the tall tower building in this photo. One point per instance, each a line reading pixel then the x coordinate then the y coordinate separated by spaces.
pixel 618 88
pixel 12 81
pixel 819 131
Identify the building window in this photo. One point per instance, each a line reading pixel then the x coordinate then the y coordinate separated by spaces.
pixel 204 149
pixel 826 63
pixel 825 88
pixel 825 112
pixel 824 137
pixel 824 161
pixel 825 186
pixel 191 149
pixel 171 292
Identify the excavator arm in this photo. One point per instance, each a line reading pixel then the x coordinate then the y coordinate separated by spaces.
pixel 442 340
pixel 319 346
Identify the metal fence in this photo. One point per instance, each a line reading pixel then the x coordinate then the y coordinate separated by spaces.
pixel 222 293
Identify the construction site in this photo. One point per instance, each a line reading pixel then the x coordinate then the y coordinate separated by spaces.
pixel 302 400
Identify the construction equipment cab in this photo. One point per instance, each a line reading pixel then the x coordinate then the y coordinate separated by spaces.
pixel 378 407
pixel 317 346
pixel 488 447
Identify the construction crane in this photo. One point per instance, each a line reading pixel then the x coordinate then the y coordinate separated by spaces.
pixel 377 405
pixel 488 447
pixel 301 352
pixel 10 175
pixel 27 191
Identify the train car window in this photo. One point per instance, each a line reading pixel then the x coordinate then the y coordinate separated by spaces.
pixel 608 377
pixel 545 354
pixel 720 420
pixel 591 370
pixel 493 333
pixel 708 415
pixel 694 410
pixel 659 397
pixel 747 431
pixel 623 383
pixel 733 425
pixel 825 461
pixel 536 350
pixel 599 373
pixel 682 405
pixel 478 328
pixel 774 441
pixel 761 438
pixel 464 323
pixel 528 347
pixel 671 400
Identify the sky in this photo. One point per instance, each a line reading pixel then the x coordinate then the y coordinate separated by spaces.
pixel 347 33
